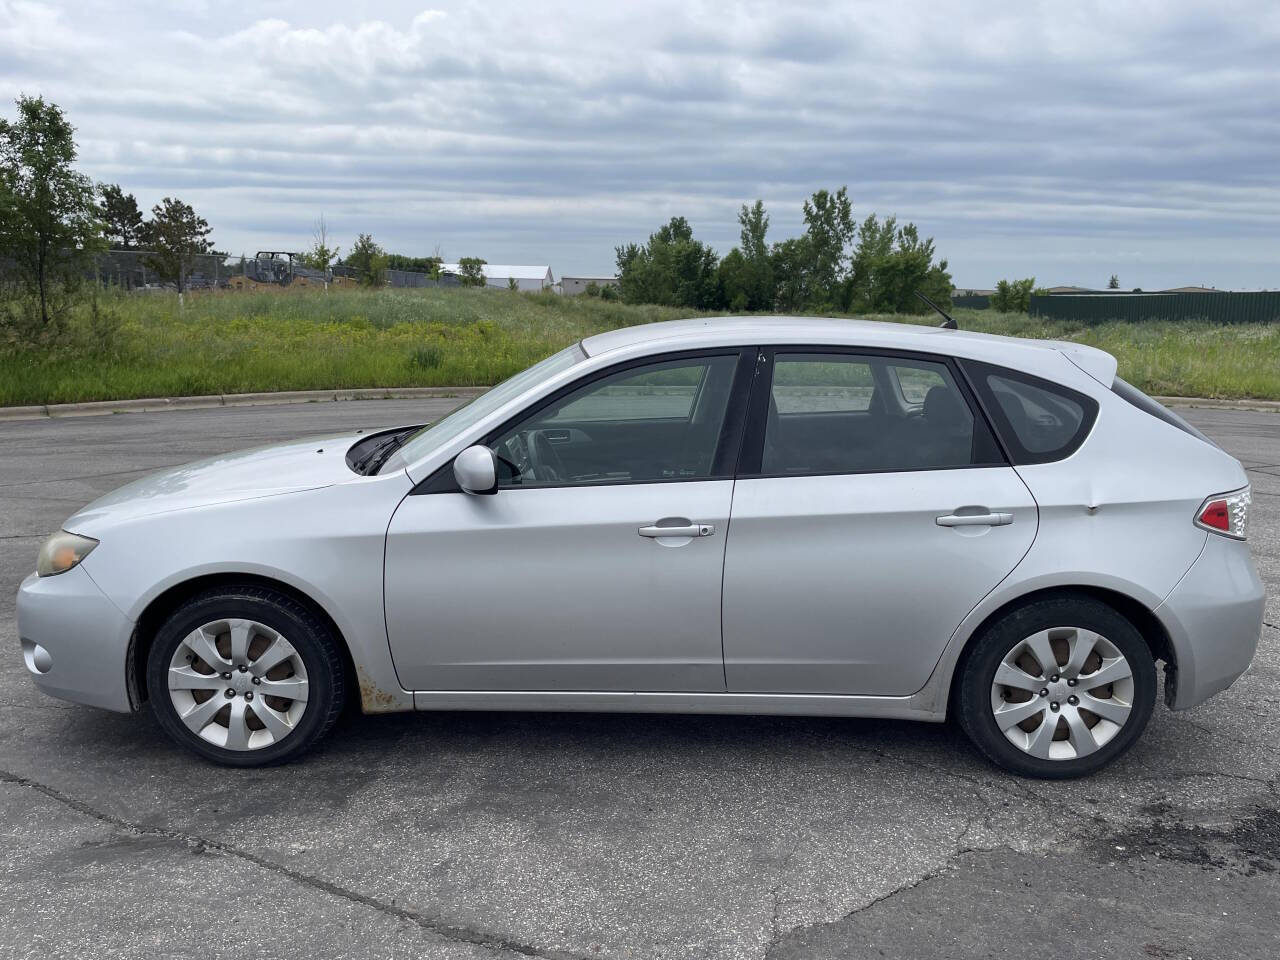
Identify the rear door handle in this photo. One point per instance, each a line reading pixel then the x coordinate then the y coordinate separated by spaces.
pixel 688 530
pixel 974 520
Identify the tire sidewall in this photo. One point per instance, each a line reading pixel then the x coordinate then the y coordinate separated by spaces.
pixel 975 711
pixel 292 624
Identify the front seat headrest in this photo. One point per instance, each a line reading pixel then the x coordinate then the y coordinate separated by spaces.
pixel 944 409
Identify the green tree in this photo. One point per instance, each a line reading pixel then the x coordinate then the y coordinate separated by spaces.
pixel 1013 296
pixel 398 261
pixel 48 218
pixel 368 260
pixel 471 271
pixel 513 284
pixel 1113 283
pixel 320 256
pixel 672 269
pixel 789 261
pixel 829 231
pixel 121 219
pixel 734 277
pixel 176 235
pixel 874 248
pixel 890 265
pixel 750 282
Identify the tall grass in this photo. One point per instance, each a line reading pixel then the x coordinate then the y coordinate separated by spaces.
pixel 145 346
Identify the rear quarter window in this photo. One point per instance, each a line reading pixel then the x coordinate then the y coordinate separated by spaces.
pixel 1038 420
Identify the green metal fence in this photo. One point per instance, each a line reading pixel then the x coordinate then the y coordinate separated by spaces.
pixel 1138 308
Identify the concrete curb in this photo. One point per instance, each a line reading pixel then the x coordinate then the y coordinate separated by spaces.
pixel 96 408
pixel 1212 403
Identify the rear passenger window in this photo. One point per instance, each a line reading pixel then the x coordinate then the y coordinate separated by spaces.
pixel 916 382
pixel 845 413
pixel 1040 421
pixel 822 384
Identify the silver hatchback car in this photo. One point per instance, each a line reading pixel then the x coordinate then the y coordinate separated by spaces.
pixel 760 515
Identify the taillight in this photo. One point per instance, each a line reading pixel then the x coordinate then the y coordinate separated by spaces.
pixel 1226 513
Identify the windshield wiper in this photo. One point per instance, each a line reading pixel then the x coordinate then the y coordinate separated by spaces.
pixel 372 461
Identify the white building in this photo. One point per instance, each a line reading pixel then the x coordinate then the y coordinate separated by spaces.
pixel 499 275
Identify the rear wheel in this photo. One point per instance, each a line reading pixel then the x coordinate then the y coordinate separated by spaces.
pixel 1058 688
pixel 245 676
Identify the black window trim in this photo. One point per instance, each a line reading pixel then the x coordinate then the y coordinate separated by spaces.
pixel 752 455
pixel 976 372
pixel 728 445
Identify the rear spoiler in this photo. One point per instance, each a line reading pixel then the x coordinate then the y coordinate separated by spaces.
pixel 1096 363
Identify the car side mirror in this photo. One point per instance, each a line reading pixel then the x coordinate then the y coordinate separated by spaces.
pixel 476 470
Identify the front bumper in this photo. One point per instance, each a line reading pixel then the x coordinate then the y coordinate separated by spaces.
pixel 75 642
pixel 1214 619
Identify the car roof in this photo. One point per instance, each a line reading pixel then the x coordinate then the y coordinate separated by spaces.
pixel 1042 357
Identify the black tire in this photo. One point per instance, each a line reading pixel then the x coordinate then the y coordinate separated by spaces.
pixel 310 637
pixel 973 693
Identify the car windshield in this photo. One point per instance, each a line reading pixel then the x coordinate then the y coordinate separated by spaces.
pixel 433 435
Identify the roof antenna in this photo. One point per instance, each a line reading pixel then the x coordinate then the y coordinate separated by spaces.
pixel 948 321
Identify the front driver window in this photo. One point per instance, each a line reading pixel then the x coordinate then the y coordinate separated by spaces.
pixel 661 421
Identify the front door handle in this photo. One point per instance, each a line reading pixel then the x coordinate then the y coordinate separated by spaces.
pixel 687 530
pixel 974 520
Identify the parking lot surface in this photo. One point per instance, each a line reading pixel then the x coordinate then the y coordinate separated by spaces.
pixel 585 836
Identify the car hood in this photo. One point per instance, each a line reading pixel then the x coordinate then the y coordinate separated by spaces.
pixel 246 475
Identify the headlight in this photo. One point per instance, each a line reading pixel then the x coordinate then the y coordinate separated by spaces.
pixel 63 551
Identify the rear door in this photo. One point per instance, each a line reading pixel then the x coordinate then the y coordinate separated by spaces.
pixel 872 511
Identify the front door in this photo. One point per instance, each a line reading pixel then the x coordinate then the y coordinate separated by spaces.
pixel 597 565
pixel 875 512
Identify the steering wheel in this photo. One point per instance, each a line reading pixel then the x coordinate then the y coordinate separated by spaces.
pixel 544 461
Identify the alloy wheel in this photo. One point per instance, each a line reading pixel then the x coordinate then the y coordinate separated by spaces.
pixel 1062 693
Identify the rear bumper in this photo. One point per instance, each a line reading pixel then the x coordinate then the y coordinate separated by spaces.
pixel 1214 618
pixel 75 642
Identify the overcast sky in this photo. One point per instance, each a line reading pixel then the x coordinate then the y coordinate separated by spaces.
pixel 1065 140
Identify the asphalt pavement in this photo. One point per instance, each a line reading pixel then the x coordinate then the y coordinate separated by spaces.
pixel 597 836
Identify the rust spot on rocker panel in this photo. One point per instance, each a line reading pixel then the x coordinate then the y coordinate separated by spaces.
pixel 373 699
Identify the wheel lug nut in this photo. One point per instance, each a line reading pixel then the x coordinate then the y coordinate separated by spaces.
pixel 1044 692
pixel 1073 699
pixel 1055 706
pixel 248 695
pixel 230 693
pixel 226 676
pixel 1054 678
pixel 243 668
pixel 256 681
pixel 1071 682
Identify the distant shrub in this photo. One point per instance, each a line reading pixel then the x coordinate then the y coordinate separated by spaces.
pixel 427 357
pixel 1013 296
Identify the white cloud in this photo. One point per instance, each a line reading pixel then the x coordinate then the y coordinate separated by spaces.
pixel 1029 137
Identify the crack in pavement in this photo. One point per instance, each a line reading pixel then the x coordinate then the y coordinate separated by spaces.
pixel 1272 785
pixel 1209 731
pixel 1013 789
pixel 959 850
pixel 775 894
pixel 440 928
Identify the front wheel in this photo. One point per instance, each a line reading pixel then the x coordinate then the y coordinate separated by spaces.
pixel 245 676
pixel 1058 688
